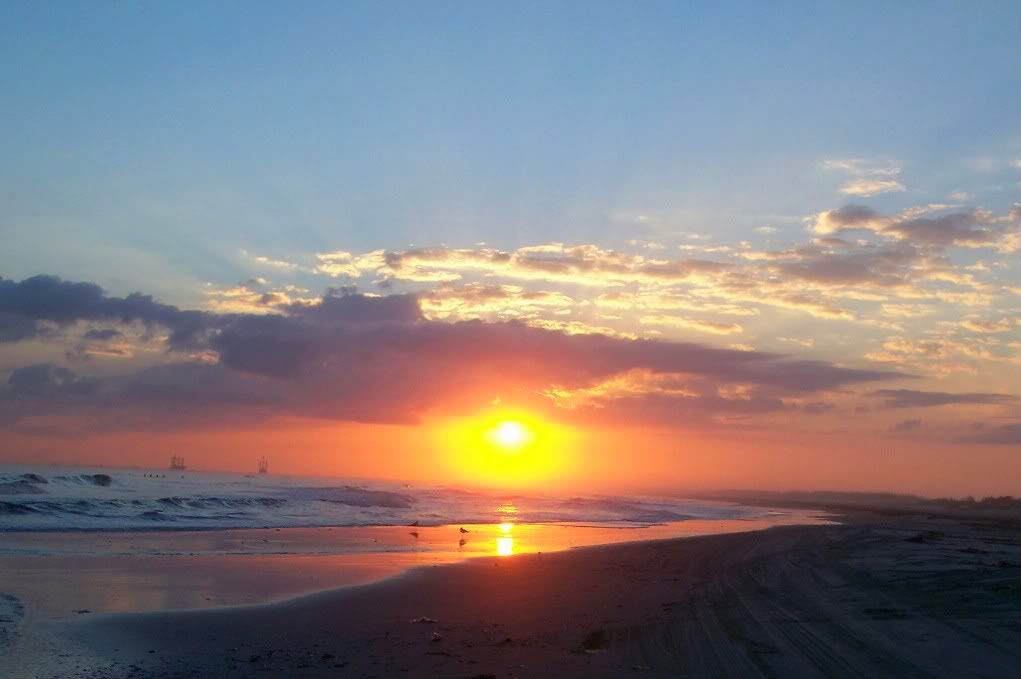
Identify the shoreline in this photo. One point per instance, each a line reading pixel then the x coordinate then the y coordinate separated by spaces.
pixel 94 573
pixel 791 601
pixel 56 573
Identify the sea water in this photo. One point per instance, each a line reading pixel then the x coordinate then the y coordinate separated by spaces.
pixel 78 540
pixel 34 498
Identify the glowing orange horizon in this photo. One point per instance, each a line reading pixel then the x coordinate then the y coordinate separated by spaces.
pixel 506 447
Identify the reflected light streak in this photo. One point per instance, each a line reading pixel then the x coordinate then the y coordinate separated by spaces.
pixel 505 546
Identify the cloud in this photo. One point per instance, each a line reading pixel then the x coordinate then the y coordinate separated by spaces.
pixel 867 178
pixel 902 256
pixel 288 346
pixel 848 218
pixel 29 306
pixel 478 300
pixel 871 187
pixel 807 342
pixel 47 379
pixel 660 300
pixel 1004 434
pixel 962 229
pixel 700 325
pixel 818 407
pixel 101 335
pixel 380 359
pixel 832 268
pixel 932 353
pixel 907 398
pixel 887 265
pixel 907 425
pixel 342 306
pixel 253 296
pixel 988 327
pixel 342 263
pixel 279 265
pixel 585 264
pixel 904 310
pixel 967 229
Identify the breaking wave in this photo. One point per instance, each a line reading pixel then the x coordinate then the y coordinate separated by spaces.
pixel 48 499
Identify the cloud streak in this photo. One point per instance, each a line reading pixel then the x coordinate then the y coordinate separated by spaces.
pixel 866 178
pixel 908 398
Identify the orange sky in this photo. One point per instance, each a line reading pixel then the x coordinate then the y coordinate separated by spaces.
pixel 601 459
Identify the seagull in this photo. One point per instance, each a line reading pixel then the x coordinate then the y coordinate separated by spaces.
pixel 414 533
pixel 462 529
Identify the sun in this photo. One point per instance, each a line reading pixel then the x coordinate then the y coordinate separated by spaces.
pixel 505 447
pixel 510 434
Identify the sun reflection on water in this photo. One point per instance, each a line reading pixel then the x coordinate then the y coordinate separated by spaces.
pixel 505 544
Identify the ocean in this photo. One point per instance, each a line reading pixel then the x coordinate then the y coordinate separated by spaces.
pixel 77 540
pixel 50 498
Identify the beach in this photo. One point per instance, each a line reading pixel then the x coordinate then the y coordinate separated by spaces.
pixel 480 340
pixel 875 596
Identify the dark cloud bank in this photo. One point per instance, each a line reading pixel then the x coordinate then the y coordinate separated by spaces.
pixel 371 359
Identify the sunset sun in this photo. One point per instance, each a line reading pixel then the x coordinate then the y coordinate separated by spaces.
pixel 508 446
pixel 510 434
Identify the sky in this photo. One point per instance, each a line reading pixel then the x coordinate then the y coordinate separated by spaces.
pixel 733 245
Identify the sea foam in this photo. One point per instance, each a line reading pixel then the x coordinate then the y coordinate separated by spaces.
pixel 41 498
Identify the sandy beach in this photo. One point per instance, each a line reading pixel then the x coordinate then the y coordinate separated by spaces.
pixel 876 596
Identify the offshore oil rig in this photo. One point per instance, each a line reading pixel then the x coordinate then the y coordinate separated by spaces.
pixel 177 463
pixel 263 465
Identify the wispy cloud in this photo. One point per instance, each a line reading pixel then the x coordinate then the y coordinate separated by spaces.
pixel 866 178
pixel 865 187
pixel 989 327
pixel 909 398
pixel 700 325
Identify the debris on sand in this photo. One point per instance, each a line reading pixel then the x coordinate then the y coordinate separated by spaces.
pixel 596 640
pixel 422 621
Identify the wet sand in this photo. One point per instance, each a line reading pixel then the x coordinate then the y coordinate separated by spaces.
pixel 57 574
pixel 47 578
pixel 878 596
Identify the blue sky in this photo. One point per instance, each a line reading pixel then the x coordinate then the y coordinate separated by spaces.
pixel 170 139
